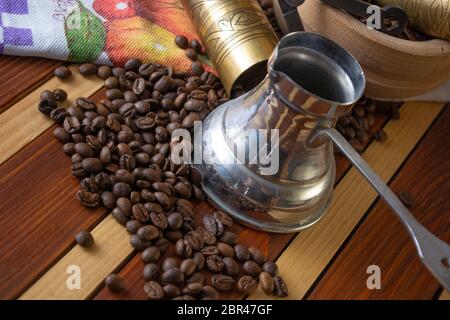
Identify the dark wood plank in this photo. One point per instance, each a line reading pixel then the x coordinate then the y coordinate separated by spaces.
pixel 20 75
pixel 382 241
pixel 271 244
pixel 39 212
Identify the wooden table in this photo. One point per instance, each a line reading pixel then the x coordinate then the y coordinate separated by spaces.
pixel 39 214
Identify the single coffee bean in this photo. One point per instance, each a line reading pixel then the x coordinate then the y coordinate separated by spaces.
pixel 84 238
pixel 212 225
pixel 61 135
pixel 406 198
pixel 72 125
pixel 47 95
pixel 133 226
pixel 62 72
pixel 192 288
pixel 209 292
pixel 125 205
pixel 173 276
pixel 121 189
pixel 153 290
pixel 88 199
pixel 229 238
pixel 108 199
pixel 214 263
pixel 257 255
pixel 151 254
pixel 251 268
pixel 266 282
pixel 69 149
pixel 224 218
pixel 225 249
pixel 280 288
pixel 242 253
pixel 140 213
pixel 199 260
pixel 190 119
pixel 104 72
pixel 270 267
pixel 59 115
pixel 247 285
pixel 170 263
pixel 132 64
pixel 222 282
pixel 138 244
pixel 92 165
pixel 87 69
pixel 112 83
pixel 191 54
pixel 182 42
pixel 183 248
pixel 194 238
pixel 171 291
pixel 163 85
pixel 148 232
pixel 113 94
pixel 196 45
pixel 188 266
pixel 231 267
pixel 197 277
pixel 151 272
pixel 209 250
pixel 175 220
pixel 114 283
pixel 163 244
pixel 159 220
pixel 119 216
pixel 47 106
pixel 60 95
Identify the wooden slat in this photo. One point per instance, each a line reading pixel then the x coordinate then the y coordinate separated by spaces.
pixel 22 123
pixel 445 295
pixel 381 240
pixel 18 75
pixel 310 252
pixel 95 264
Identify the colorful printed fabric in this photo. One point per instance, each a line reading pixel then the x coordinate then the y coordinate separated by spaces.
pixel 101 31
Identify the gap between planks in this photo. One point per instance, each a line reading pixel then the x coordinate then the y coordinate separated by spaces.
pixel 312 249
pixel 22 122
pixel 310 252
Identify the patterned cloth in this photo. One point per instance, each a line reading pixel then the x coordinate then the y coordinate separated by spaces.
pixel 101 31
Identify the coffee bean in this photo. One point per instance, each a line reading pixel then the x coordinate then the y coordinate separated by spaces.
pixel 209 292
pixel 212 225
pixel 173 276
pixel 175 220
pixel 197 68
pixel 108 199
pixel 229 238
pixel 59 115
pixel 251 268
pixel 247 285
pixel 183 248
pixel 191 54
pixel 113 94
pixel 231 267
pixel 163 85
pixel 380 135
pixel 92 165
pixel 121 189
pixel 188 266
pixel 87 69
pixel 196 45
pixel 182 42
pixel 140 213
pixel 266 282
pixel 214 263
pixel 242 253
pixel 159 220
pixel 257 255
pixel 194 238
pixel 192 288
pixel 225 249
pixel 171 291
pixel 138 244
pixel 133 226
pixel 222 282
pixel 47 106
pixel 163 244
pixel 62 72
pixel 170 263
pixel 199 260
pixel 119 216
pixel 60 95
pixel 197 277
pixel 190 119
pixel 194 105
pixel 84 239
pixel 114 283
pixel 88 199
pixel 209 250
pixel 47 95
pixel 61 135
pixel 280 288
pixel 153 290
pixel 151 254
pixel 222 217
pixel 270 267
pixel 132 64
pixel 406 198
pixel 148 232
pixel 104 72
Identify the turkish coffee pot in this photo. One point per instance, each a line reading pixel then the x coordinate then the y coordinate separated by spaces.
pixel 268 155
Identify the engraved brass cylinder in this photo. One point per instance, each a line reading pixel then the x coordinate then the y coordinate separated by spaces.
pixel 237 37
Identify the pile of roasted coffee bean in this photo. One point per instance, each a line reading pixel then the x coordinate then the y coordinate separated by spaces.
pixel 120 149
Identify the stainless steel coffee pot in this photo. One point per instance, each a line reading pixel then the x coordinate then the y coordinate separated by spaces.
pixel 267 156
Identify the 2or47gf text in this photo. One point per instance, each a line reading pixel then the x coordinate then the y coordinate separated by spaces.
pixel 226 309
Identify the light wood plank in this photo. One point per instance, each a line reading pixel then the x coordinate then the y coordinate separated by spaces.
pixel 324 239
pixel 111 248
pixel 310 252
pixel 22 123
pixel 445 295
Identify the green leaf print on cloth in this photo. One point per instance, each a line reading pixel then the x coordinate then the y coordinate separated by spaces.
pixel 85 33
